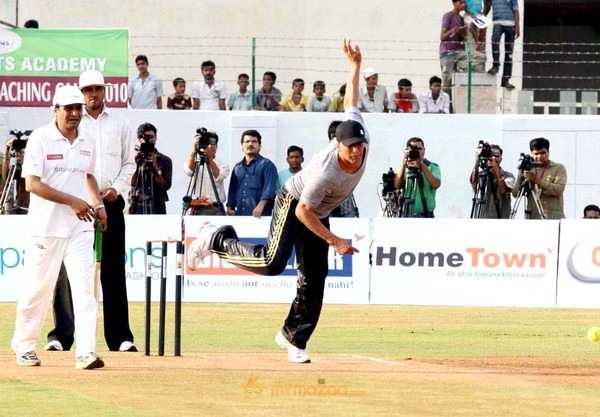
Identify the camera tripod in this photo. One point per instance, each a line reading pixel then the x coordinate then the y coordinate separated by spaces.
pixel 142 201
pixel 347 209
pixel 414 183
pixel 391 208
pixel 528 189
pixel 8 199
pixel 485 182
pixel 216 208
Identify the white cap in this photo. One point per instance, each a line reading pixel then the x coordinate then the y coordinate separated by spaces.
pixel 369 72
pixel 92 77
pixel 67 94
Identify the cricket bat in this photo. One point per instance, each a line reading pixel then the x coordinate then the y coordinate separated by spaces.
pixel 97 259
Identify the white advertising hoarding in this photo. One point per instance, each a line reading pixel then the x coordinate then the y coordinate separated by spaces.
pixel 414 261
pixel 12 254
pixel 217 280
pixel 139 230
pixel 348 280
pixel 464 262
pixel 579 264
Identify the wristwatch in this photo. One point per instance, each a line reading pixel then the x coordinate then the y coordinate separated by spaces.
pixel 159 172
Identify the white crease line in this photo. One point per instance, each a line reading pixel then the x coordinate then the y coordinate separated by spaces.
pixel 373 359
pixel 475 371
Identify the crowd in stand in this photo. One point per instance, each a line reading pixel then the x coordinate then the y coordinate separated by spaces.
pixel 464 25
pixel 146 92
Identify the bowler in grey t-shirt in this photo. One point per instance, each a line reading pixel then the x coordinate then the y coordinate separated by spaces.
pixel 301 220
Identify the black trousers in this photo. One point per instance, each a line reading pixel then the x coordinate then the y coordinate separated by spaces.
pixel 64 319
pixel 144 207
pixel 286 231
pixel 114 289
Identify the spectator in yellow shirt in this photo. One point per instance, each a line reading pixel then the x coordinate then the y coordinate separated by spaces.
pixel 294 101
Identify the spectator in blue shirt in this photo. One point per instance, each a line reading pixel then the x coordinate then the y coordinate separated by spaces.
pixel 253 180
pixel 507 23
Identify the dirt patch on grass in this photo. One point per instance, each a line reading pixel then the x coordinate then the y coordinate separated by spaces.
pixel 499 371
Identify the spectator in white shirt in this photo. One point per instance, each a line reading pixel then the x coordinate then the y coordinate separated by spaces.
pixel 209 94
pixel 373 97
pixel 434 100
pixel 145 91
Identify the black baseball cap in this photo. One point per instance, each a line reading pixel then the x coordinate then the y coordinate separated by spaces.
pixel 349 132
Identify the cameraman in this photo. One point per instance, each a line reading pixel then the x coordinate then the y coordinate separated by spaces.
pixel 151 198
pixel 204 201
pixel 503 181
pixel 424 169
pixel 15 204
pixel 548 178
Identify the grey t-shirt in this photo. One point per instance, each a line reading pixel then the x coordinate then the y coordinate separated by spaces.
pixel 322 185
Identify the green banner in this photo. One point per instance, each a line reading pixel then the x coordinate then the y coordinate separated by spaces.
pixel 34 62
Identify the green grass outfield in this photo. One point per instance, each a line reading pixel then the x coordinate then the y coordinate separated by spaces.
pixel 367 361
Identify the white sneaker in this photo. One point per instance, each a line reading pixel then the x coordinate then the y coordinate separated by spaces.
pixel 28 359
pixel 54 345
pixel 281 341
pixel 89 361
pixel 127 346
pixel 298 355
pixel 199 248
pixel 295 354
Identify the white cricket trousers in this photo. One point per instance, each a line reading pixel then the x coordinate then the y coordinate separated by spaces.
pixel 43 256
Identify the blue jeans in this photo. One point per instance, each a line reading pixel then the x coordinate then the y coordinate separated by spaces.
pixel 509 42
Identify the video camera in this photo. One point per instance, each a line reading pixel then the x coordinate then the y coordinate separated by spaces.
pixel 526 163
pixel 388 179
pixel 146 147
pixel 413 153
pixel 486 150
pixel 205 139
pixel 485 155
pixel 20 140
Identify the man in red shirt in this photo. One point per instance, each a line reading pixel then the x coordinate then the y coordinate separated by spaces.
pixel 404 101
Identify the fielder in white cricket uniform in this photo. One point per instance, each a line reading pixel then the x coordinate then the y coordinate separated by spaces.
pixel 65 202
